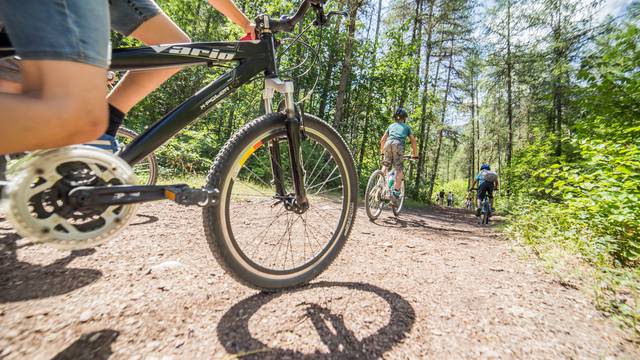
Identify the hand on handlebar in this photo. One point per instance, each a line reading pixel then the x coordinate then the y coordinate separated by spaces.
pixel 248 36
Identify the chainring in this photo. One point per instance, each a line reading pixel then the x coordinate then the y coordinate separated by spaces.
pixel 37 197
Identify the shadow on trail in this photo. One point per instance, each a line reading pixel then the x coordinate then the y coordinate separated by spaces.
pixel 234 334
pixel 150 219
pixel 21 281
pixel 414 223
pixel 95 345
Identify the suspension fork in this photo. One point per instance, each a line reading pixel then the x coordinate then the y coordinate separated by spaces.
pixel 293 129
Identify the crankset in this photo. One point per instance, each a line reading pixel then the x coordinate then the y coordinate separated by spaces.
pixel 38 197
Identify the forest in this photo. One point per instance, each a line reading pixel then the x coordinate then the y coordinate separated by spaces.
pixel 546 91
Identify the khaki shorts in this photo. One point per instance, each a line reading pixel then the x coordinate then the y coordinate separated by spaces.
pixel 394 154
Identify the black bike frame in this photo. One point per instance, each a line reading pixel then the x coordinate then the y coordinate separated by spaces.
pixel 253 57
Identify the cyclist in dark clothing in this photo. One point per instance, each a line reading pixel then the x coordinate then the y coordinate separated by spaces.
pixel 487 181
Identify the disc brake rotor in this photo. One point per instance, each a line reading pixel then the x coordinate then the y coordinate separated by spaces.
pixel 38 205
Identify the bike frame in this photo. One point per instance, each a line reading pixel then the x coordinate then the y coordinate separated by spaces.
pixel 253 57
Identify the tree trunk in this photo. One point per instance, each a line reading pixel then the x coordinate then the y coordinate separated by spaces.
pixel 345 75
pixel 365 129
pixel 440 132
pixel 423 103
pixel 331 63
pixel 415 52
pixel 509 86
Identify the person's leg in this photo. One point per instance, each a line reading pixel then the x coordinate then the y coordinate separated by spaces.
pixel 387 159
pixel 64 47
pixel 136 85
pixel 398 180
pixel 53 110
pixel 10 78
pixel 10 87
pixel 398 164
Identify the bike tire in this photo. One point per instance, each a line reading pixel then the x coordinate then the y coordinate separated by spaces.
pixel 216 221
pixel 486 214
pixel 371 186
pixel 398 208
pixel 152 163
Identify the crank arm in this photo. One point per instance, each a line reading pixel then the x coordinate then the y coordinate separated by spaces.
pixel 98 196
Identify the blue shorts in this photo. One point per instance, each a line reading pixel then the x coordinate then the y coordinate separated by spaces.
pixel 128 15
pixel 71 30
pixel 68 30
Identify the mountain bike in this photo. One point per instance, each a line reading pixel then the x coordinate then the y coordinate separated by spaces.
pixel 280 199
pixel 486 211
pixel 379 193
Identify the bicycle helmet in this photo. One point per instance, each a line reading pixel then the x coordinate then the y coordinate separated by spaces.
pixel 400 114
pixel 485 167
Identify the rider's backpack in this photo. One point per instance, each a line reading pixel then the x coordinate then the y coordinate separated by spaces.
pixel 489 176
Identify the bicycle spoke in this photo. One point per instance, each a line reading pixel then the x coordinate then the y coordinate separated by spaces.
pixel 280 239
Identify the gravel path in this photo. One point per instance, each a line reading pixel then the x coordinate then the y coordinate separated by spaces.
pixel 429 285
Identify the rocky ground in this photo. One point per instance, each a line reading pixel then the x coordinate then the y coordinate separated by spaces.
pixel 431 284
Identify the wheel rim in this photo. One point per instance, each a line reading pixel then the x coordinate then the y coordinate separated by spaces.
pixel 146 169
pixel 262 232
pixel 375 187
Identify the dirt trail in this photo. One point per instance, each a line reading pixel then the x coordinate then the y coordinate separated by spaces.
pixel 430 285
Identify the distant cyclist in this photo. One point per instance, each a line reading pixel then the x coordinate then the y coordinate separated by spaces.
pixel 487 181
pixel 392 148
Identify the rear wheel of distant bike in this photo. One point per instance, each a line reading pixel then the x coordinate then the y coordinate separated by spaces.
pixel 398 207
pixel 374 201
pixel 486 212
pixel 253 233
pixel 147 169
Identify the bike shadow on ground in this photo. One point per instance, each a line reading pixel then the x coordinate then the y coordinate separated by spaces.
pixel 400 223
pixel 20 281
pixel 234 334
pixel 150 219
pixel 95 345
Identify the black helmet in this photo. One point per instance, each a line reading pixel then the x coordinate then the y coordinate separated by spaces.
pixel 400 114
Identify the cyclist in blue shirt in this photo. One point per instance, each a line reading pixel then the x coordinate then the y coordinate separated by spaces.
pixel 392 149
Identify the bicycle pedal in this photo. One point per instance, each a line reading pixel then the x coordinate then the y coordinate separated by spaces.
pixel 188 196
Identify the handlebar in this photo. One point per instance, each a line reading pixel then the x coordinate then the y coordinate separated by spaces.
pixel 287 23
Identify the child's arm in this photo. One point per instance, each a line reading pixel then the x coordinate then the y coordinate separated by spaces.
pixel 383 140
pixel 414 146
pixel 231 11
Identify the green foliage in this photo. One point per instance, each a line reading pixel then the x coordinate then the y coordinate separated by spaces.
pixel 587 201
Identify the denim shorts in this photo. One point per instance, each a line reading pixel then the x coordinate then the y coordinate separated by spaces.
pixel 128 15
pixel 67 30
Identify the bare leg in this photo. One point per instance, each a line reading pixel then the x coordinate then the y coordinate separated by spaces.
pixel 136 85
pixel 10 87
pixel 63 103
pixel 398 180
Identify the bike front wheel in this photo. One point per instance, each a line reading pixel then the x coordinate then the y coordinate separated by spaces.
pixel 373 201
pixel 253 234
